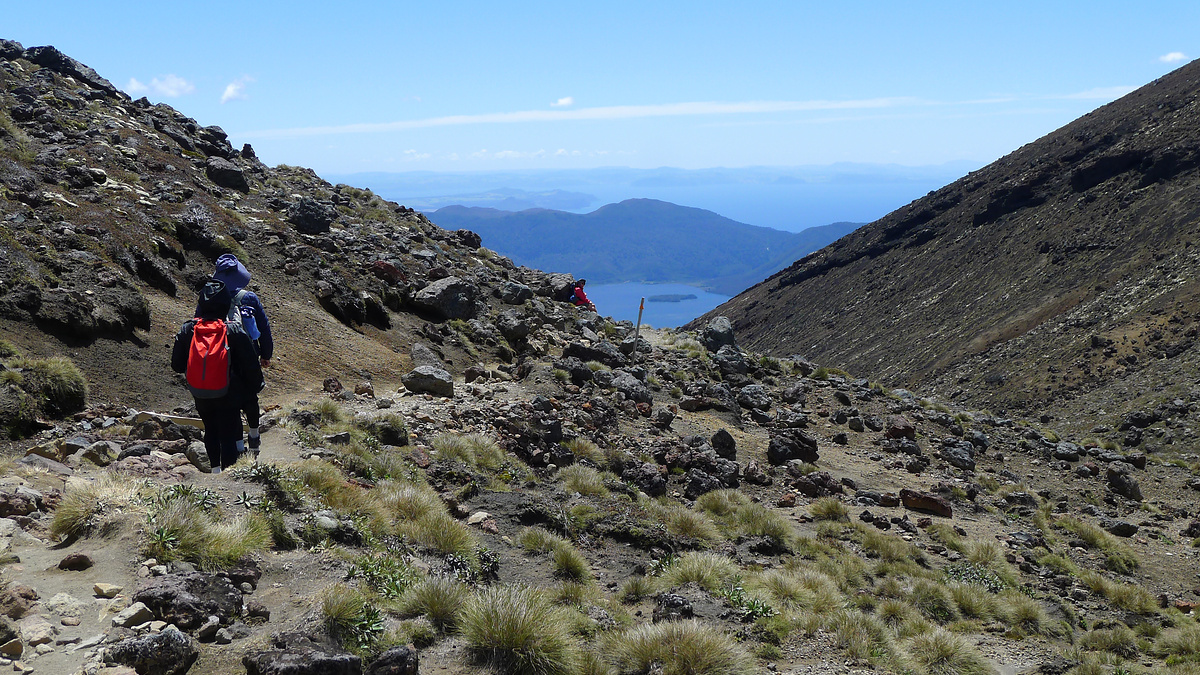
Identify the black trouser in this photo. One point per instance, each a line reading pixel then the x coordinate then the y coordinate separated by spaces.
pixel 222 429
pixel 250 407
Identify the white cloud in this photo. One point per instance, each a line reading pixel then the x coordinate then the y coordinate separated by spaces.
pixel 1101 93
pixel 1173 57
pixel 169 86
pixel 236 90
pixel 413 155
pixel 564 102
pixel 616 112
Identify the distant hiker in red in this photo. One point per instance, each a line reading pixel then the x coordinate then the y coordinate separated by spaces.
pixel 221 366
pixel 579 298
pixel 234 274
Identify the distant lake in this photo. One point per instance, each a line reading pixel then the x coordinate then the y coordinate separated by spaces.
pixel 620 301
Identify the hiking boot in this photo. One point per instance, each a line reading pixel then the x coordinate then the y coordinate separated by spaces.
pixel 253 442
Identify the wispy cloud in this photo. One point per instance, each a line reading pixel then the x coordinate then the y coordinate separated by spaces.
pixel 1100 94
pixel 564 102
pixel 616 112
pixel 1172 57
pixel 236 90
pixel 169 86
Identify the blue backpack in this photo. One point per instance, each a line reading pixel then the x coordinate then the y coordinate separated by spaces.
pixel 243 314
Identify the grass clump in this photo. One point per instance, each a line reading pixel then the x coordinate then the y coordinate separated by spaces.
pixel 569 563
pixel 471 449
pixel 93 507
pixel 438 598
pixel 582 448
pixel 721 503
pixel 678 648
pixel 329 412
pixel 829 509
pixel 440 532
pixel 1119 640
pixel 516 629
pixel 934 601
pixel 56 382
pixel 583 479
pixel 1182 642
pixel 184 530
pixel 710 571
pixel 684 522
pixel 943 653
pixel 351 618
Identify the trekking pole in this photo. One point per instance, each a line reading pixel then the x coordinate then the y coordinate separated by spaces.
pixel 637 330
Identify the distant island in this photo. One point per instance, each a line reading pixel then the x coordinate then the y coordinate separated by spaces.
pixel 642 241
pixel 672 297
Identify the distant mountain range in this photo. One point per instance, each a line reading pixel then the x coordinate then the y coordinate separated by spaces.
pixel 642 240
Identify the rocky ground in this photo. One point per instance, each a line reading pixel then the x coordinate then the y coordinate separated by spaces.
pixel 445 434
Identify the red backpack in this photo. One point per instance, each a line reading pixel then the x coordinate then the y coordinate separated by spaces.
pixel 208 359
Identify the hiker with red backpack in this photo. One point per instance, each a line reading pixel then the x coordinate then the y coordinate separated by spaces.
pixel 221 365
pixel 579 298
pixel 234 274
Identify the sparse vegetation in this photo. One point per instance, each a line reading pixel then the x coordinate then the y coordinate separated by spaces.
pixel 678 648
pixel 829 509
pixel 516 629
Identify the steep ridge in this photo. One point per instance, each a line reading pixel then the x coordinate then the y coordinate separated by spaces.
pixel 114 209
pixel 1059 270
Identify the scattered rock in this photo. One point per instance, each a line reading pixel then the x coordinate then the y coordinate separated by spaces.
pixel 429 379
pixel 75 562
pixel 169 652
pixel 928 503
pixel 395 661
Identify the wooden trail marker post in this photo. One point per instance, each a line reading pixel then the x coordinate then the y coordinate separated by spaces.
pixel 637 329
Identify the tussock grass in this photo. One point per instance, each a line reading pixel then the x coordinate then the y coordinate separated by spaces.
pixel 1120 641
pixel 408 501
pixel 973 602
pixel 584 480
pixel 185 531
pixel 1129 597
pixel 805 589
pixel 537 540
pixel 1118 556
pixel 475 450
pixel 576 593
pixel 516 629
pixel 889 548
pixel 1021 612
pixel 863 636
pixel 756 520
pixel 933 600
pixel 635 588
pixel 721 503
pixel 329 412
pixel 438 598
pixel 582 448
pixel 682 521
pixel 678 648
pixel 441 533
pixel 569 563
pixel 351 618
pixel 90 508
pixel 1180 642
pixel 829 509
pixel 57 382
pixel 894 612
pixel 943 653
pixel 710 571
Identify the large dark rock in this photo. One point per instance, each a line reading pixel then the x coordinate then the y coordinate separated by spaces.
pixel 226 174
pixel 791 444
pixel 899 427
pixel 512 293
pixel 671 607
pixel 310 216
pixel 450 298
pixel 1121 481
pixel 604 352
pixel 730 361
pixel 189 598
pixel 632 387
pixel 512 326
pixel 10 49
pixel 754 396
pixel 647 478
pixel 718 333
pixel 302 661
pixel 397 660
pixel 927 503
pixel 960 454
pixel 51 58
pixel 724 444
pixel 169 652
pixel 699 483
pixel 429 379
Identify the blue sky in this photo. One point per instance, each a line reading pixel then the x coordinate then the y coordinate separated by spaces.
pixel 466 86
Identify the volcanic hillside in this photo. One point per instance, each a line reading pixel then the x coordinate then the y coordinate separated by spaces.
pixel 1066 269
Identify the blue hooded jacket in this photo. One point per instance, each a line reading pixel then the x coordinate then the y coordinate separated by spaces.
pixel 235 276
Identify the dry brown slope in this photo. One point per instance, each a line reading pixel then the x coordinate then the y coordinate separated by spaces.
pixel 1109 199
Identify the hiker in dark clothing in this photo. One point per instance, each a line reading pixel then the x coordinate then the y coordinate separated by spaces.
pixel 254 319
pixel 221 415
pixel 579 298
